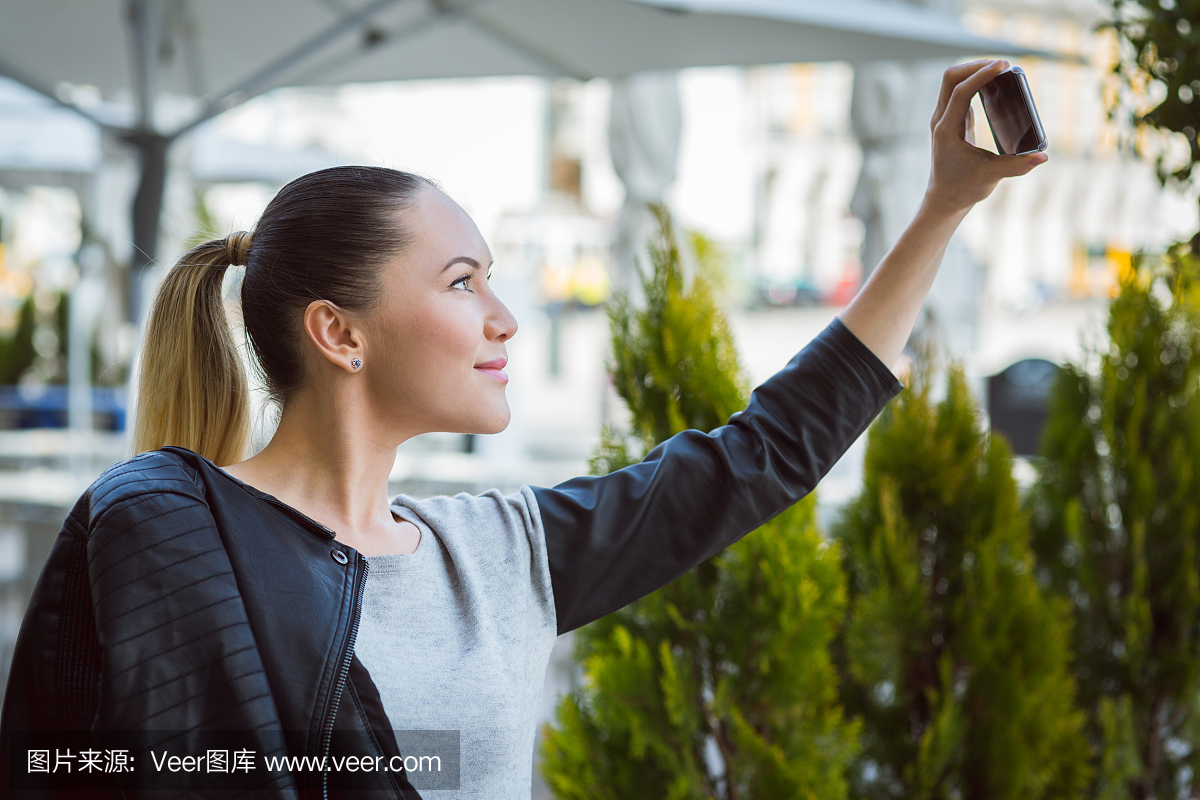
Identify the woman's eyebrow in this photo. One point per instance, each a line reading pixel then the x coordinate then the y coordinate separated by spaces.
pixel 464 260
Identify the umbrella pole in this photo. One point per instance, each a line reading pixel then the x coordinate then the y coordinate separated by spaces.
pixel 152 149
pixel 146 32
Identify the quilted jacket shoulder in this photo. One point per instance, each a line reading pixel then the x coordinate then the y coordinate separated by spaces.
pixel 153 472
pixel 136 622
pixel 159 612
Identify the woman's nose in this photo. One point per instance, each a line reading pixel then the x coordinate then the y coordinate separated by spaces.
pixel 501 324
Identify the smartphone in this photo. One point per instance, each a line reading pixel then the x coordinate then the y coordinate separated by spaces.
pixel 1008 105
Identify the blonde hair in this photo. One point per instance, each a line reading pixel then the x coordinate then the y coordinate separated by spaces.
pixel 325 236
pixel 192 389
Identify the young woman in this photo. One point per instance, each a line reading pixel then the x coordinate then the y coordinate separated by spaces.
pixel 193 589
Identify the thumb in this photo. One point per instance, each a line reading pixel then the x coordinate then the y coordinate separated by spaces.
pixel 1022 165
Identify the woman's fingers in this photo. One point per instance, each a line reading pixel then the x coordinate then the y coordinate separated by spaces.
pixel 1013 166
pixel 951 78
pixel 999 167
pixel 963 174
pixel 960 97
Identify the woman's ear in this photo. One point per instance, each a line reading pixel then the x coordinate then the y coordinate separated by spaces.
pixel 337 335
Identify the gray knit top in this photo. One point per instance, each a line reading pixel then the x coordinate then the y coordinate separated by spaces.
pixel 457 634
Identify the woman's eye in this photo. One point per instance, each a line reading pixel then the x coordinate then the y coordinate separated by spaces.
pixel 464 280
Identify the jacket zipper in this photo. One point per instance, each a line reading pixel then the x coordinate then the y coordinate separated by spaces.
pixel 343 673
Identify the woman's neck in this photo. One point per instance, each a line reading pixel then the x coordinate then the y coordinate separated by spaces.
pixel 336 476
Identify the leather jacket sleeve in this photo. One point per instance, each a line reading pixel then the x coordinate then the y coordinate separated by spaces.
pixel 613 539
pixel 156 562
pixel 139 585
pixel 167 612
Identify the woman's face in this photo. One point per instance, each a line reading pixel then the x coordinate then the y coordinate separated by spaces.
pixel 436 347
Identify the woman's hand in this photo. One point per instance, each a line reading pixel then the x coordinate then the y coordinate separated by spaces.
pixel 963 174
pixel 884 311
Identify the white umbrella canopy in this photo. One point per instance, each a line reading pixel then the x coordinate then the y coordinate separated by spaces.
pixel 212 48
pixel 41 144
pixel 614 38
pixel 223 52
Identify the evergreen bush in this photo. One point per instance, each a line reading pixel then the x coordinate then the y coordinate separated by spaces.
pixel 953 658
pixel 1116 518
pixel 719 685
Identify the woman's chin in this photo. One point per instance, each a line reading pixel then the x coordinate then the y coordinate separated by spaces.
pixel 495 424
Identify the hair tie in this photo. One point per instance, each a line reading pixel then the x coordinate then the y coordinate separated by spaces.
pixel 237 247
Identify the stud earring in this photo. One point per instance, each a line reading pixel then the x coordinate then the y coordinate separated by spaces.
pixel 356 363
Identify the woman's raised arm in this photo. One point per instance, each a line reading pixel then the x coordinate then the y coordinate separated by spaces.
pixel 884 311
pixel 613 539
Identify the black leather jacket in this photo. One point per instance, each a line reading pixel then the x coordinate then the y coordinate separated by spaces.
pixel 177 598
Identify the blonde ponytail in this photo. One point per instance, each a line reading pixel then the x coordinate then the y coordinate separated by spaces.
pixel 192 389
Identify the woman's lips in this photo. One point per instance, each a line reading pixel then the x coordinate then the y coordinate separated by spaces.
pixel 494 369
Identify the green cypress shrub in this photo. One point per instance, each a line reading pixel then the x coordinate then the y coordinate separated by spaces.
pixel 719 685
pixel 954 659
pixel 16 350
pixel 1116 518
